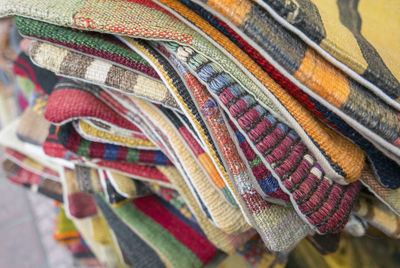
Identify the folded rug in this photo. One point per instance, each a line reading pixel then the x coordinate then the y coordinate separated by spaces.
pixel 210 111
pixel 305 68
pixel 271 140
pixel 361 51
pixel 32 175
pixel 103 72
pixel 290 108
pixel 288 236
pixel 92 132
pixel 226 217
pixel 71 140
pixel 77 15
pixel 208 156
pixel 179 242
pixel 53 147
pixel 71 100
pixel 379 216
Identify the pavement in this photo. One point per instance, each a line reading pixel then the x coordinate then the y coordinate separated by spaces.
pixel 26 227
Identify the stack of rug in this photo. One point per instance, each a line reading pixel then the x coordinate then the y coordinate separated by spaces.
pixel 177 132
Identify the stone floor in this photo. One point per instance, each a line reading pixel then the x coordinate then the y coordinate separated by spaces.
pixel 26 227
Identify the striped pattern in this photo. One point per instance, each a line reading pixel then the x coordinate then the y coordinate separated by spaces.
pixel 98 71
pixel 53 147
pixel 165 26
pixel 379 216
pixel 35 180
pixel 319 78
pixel 361 46
pixel 265 179
pixel 225 216
pixel 223 241
pixel 135 248
pixel 389 197
pixel 199 153
pixel 173 198
pixel 387 169
pixel 326 151
pixel 93 133
pixel 210 160
pixel 295 166
pixel 71 140
pixel 176 239
pixel 30 164
pixel 102 46
pixel 87 179
pixel 212 115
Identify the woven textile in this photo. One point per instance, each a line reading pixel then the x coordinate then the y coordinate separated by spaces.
pixel 379 216
pixel 307 70
pixel 127 187
pixel 53 147
pixel 71 100
pixel 265 180
pixel 259 127
pixel 210 111
pixel 78 204
pixel 30 164
pixel 220 210
pixel 163 23
pixel 173 198
pixel 98 71
pixel 22 170
pixel 386 168
pixel 153 218
pixel 387 196
pixel 92 133
pixel 32 127
pixel 31 77
pixel 223 241
pixel 138 251
pixel 102 46
pixel 87 179
pixel 269 216
pixel 209 159
pixel 71 140
pixel 361 47
pixel 326 153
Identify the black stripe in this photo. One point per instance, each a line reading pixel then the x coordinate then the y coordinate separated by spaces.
pixel 377 71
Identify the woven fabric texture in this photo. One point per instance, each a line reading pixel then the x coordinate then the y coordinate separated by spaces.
pixel 101 72
pixel 306 69
pixel 266 129
pixel 164 23
pixel 361 45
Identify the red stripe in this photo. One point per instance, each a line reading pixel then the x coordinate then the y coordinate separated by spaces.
pixel 97 149
pixel 191 141
pixel 122 152
pixel 199 245
pixel 135 170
